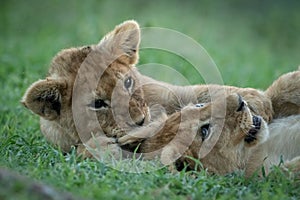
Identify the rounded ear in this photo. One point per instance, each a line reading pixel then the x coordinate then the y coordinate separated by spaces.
pixel 44 98
pixel 285 95
pixel 123 41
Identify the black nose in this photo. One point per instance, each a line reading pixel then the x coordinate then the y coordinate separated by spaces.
pixel 241 103
pixel 140 123
pixel 256 122
pixel 252 133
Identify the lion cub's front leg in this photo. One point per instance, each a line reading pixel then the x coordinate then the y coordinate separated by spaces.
pixel 294 166
pixel 168 139
pixel 138 134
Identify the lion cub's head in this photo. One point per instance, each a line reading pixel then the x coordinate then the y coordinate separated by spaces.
pixel 92 89
pixel 224 136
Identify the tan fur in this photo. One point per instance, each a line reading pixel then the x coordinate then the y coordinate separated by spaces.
pixel 55 97
pixel 282 146
pixel 230 153
pixel 173 98
pixel 285 95
pixel 181 136
pixel 74 71
pixel 51 98
pixel 228 149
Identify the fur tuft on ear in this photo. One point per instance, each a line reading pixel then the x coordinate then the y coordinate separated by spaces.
pixel 123 42
pixel 44 98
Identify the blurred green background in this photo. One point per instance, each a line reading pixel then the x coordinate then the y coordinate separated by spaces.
pixel 251 42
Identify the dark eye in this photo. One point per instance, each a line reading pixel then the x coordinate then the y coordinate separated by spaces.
pixel 128 83
pixel 200 105
pixel 97 104
pixel 241 104
pixel 204 131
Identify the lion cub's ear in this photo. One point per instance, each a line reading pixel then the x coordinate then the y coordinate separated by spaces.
pixel 123 42
pixel 44 98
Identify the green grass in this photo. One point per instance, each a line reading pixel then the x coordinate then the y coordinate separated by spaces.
pixel 252 44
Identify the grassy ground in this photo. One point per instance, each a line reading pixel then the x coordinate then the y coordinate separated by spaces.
pixel 251 43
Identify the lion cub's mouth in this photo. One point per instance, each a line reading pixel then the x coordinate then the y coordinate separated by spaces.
pixel 251 136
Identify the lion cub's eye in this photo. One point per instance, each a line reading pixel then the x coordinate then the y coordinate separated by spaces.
pixel 242 104
pixel 128 83
pixel 204 131
pixel 97 104
pixel 200 105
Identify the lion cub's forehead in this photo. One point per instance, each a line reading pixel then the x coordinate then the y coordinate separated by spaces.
pixel 219 109
pixel 111 78
pixel 206 113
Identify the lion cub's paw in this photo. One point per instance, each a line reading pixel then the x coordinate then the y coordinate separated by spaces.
pixel 169 155
pixel 141 133
pixel 158 113
pixel 294 166
pixel 98 147
pixel 158 117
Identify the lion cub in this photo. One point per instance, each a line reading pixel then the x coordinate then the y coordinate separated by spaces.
pixel 97 91
pixel 226 135
pixel 91 90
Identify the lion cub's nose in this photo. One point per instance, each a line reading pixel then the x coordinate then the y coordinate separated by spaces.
pixel 140 122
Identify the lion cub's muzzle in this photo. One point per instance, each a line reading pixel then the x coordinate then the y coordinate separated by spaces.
pixel 252 133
